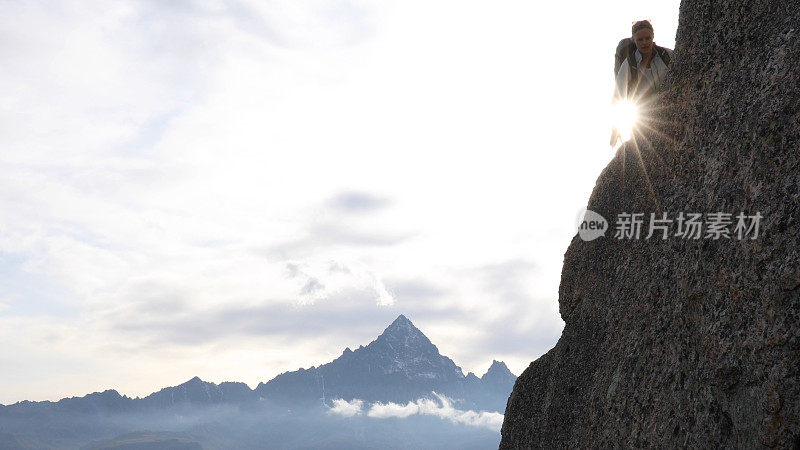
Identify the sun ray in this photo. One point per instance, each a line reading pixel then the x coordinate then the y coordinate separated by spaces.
pixel 646 175
pixel 625 115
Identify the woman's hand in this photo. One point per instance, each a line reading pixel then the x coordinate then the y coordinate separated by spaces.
pixel 614 136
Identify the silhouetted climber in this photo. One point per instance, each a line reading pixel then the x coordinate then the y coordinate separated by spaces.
pixel 640 67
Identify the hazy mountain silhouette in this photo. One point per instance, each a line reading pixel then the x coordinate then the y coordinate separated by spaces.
pixel 401 365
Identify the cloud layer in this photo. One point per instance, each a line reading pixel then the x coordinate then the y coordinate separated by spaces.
pixel 424 407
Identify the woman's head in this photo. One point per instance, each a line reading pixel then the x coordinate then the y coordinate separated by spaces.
pixel 642 35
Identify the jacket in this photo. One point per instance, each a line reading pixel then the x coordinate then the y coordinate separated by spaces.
pixel 650 80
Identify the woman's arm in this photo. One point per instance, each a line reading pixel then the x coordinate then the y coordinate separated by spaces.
pixel 621 88
pixel 620 93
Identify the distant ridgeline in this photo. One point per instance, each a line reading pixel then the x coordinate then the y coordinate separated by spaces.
pixel 688 342
pixel 401 365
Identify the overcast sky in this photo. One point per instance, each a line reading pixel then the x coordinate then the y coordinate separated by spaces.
pixel 237 189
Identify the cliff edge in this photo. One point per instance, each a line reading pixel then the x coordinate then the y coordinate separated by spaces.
pixel 682 342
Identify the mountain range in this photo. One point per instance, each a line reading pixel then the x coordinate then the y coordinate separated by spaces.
pixel 401 365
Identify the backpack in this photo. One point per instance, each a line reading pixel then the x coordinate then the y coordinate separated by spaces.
pixel 626 49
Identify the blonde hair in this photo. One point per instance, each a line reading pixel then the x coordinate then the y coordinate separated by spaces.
pixel 640 25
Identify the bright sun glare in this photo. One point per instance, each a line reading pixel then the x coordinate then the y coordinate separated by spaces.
pixel 625 115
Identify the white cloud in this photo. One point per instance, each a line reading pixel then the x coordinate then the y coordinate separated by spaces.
pixel 319 280
pixel 424 406
pixel 382 411
pixel 347 409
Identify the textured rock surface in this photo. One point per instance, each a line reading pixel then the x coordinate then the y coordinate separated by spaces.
pixel 675 343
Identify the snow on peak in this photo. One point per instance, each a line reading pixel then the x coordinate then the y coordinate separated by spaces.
pixel 403 334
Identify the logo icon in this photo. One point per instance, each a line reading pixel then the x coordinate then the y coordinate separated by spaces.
pixel 591 225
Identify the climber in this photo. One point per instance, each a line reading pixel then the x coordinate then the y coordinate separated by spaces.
pixel 640 68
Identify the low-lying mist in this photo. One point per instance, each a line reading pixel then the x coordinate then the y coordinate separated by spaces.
pixel 424 423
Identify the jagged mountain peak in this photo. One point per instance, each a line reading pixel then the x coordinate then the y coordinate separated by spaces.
pixel 499 376
pixel 403 333
pixel 498 367
pixel 401 349
pixel 401 319
pixel 401 325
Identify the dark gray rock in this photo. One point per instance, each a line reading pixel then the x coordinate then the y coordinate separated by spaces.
pixel 676 342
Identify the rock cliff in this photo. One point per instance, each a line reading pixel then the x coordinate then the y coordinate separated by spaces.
pixel 688 342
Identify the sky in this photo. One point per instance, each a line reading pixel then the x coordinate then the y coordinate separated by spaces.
pixel 237 189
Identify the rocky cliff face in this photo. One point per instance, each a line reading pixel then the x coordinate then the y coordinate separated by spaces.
pixel 688 342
